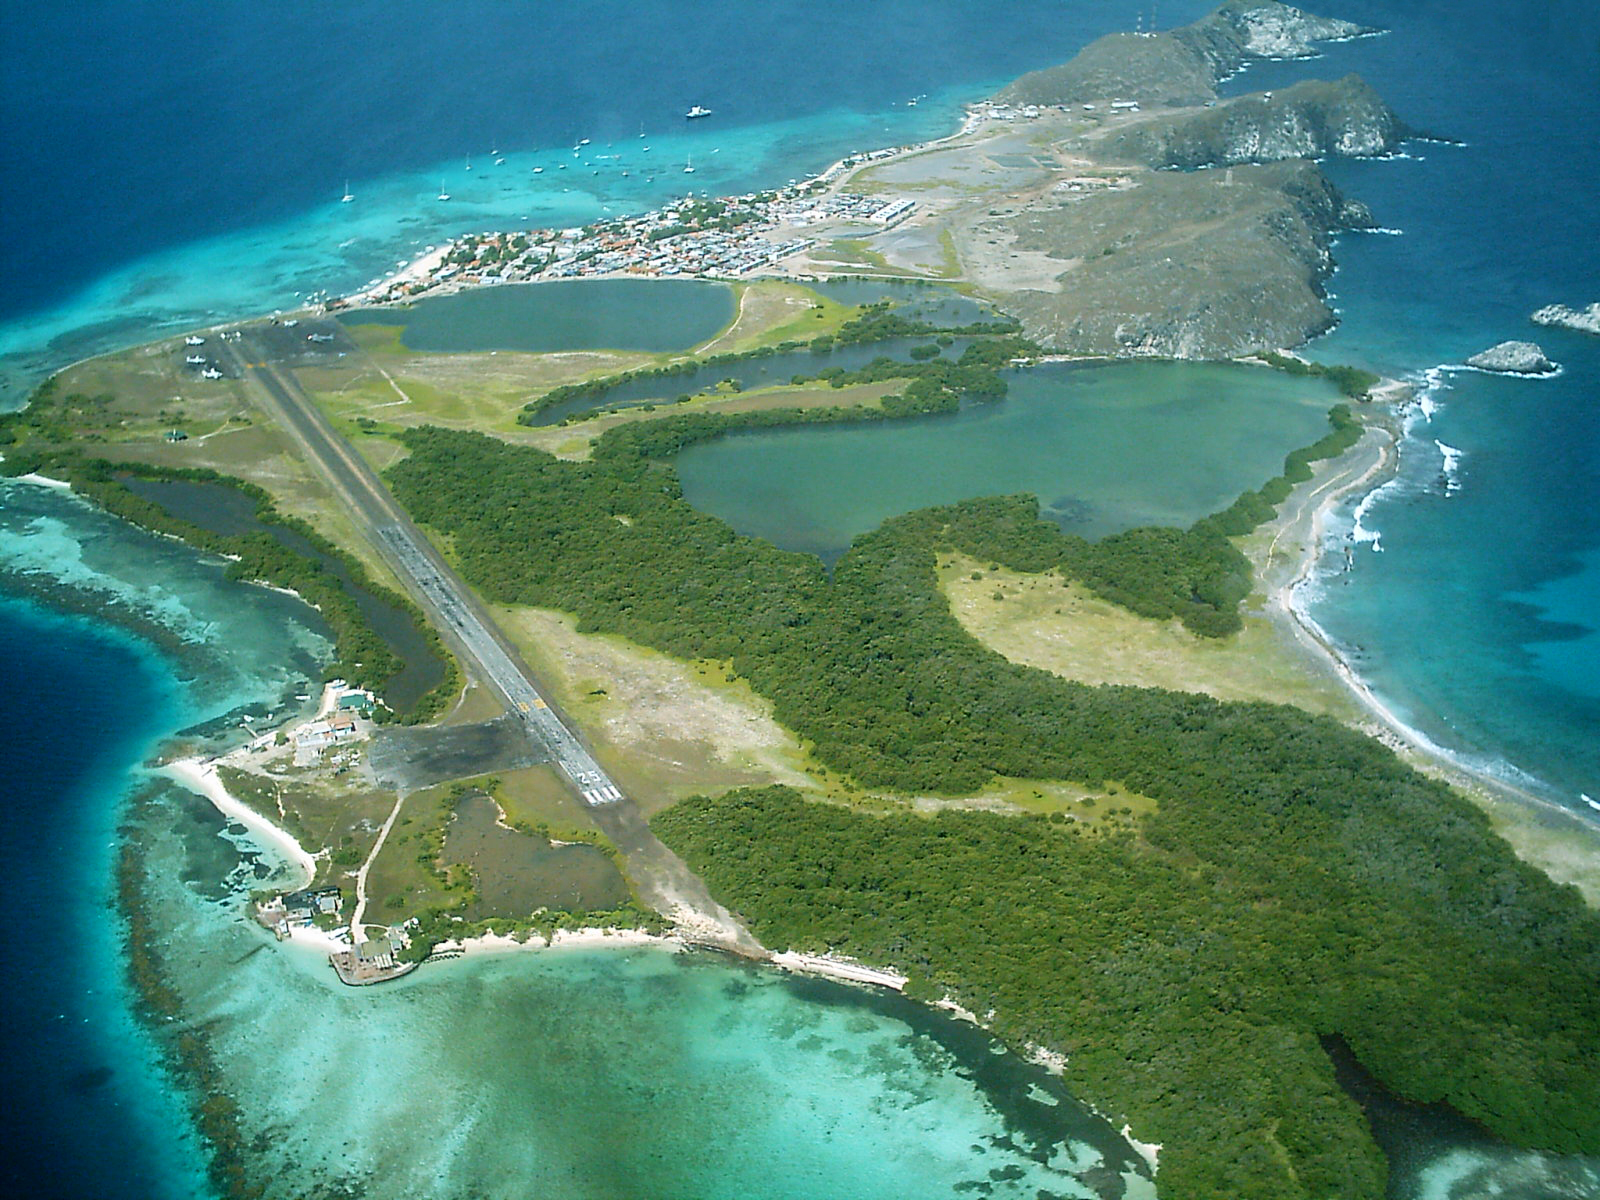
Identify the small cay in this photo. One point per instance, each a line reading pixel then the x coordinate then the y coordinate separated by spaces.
pixel 1514 358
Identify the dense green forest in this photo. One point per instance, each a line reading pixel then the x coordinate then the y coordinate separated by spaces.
pixel 1297 878
pixel 1303 885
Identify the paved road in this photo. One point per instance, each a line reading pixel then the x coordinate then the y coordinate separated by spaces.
pixel 662 877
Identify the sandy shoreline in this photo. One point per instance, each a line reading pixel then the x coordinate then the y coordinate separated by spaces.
pixel 1288 605
pixel 200 776
pixel 587 938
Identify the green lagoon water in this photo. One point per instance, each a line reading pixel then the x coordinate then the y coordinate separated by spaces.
pixel 652 315
pixel 1104 448
pixel 627 1073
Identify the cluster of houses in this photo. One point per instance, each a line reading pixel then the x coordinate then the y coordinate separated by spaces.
pixel 335 728
pixel 373 959
pixel 668 241
pixel 293 910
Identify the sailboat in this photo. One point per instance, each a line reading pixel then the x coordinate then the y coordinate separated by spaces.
pixel 688 166
pixel 443 195
pixel 347 197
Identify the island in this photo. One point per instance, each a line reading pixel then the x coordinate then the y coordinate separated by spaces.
pixel 1109 793
pixel 1513 358
pixel 1581 320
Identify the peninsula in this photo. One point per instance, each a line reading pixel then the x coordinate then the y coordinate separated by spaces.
pixel 1095 789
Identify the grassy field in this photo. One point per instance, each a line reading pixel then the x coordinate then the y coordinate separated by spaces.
pixel 664 728
pixel 134 398
pixel 402 880
pixel 773 311
pixel 476 703
pixel 541 796
pixel 667 729
pixel 397 387
pixel 516 873
pixel 574 441
pixel 1047 622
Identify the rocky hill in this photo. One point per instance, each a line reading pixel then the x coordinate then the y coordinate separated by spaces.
pixel 1186 265
pixel 1309 120
pixel 1183 65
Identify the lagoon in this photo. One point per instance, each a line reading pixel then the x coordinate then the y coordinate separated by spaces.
pixel 1104 448
pixel 746 374
pixel 221 509
pixel 652 315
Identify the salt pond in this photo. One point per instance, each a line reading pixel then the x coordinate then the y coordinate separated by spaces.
pixel 653 315
pixel 1104 447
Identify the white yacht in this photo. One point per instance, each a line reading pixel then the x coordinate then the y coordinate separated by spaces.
pixel 443 195
pixel 688 167
pixel 347 197
pixel 696 112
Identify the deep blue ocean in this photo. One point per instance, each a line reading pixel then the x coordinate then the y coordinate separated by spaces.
pixel 164 165
pixel 71 1048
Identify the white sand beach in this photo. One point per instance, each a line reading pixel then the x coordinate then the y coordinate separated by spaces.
pixel 200 776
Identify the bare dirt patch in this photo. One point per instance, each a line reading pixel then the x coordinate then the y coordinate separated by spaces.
pixel 666 728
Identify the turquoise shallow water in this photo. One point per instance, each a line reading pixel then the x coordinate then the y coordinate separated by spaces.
pixel 1103 448
pixel 620 1073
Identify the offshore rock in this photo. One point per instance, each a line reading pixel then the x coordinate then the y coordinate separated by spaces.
pixel 1354 214
pixel 1313 119
pixel 1183 65
pixel 1513 358
pixel 1583 320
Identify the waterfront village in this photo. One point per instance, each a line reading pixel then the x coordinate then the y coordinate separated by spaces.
pixel 696 236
